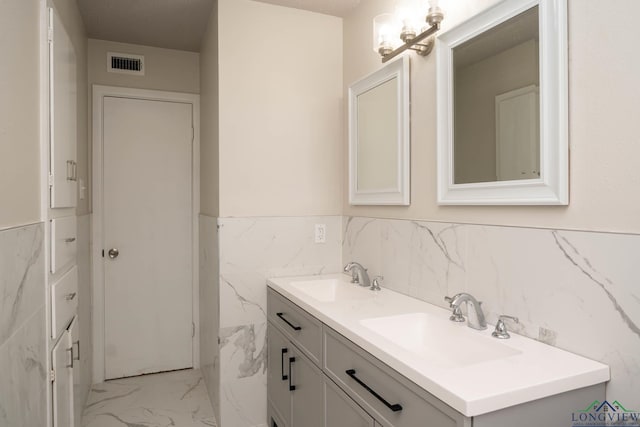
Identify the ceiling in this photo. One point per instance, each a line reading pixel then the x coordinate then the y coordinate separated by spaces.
pixel 328 7
pixel 173 24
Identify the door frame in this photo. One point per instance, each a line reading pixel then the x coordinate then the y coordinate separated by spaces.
pixel 99 93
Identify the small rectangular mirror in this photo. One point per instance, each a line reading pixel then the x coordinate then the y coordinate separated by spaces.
pixel 502 106
pixel 379 137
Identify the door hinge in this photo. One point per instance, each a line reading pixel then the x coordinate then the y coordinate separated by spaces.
pixel 50 180
pixel 52 375
pixel 193 330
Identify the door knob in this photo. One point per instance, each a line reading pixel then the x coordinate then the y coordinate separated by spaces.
pixel 113 253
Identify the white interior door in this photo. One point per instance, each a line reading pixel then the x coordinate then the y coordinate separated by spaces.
pixel 517 134
pixel 147 203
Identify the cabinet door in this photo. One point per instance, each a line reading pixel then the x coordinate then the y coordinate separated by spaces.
pixel 62 363
pixel 74 333
pixel 279 352
pixel 341 410
pixel 62 115
pixel 274 418
pixel 307 397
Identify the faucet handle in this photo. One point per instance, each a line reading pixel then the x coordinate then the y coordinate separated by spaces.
pixel 456 314
pixel 375 283
pixel 501 329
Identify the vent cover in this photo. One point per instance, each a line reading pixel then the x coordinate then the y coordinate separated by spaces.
pixel 125 63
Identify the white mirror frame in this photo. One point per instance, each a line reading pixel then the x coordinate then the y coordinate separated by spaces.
pixel 552 188
pixel 400 194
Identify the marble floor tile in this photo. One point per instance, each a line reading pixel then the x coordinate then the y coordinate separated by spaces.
pixel 176 398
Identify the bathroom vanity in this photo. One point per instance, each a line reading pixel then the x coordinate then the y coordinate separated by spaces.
pixel 340 355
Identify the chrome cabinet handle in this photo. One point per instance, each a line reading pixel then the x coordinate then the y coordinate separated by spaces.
pixel 70 296
pixel 70 350
pixel 72 170
pixel 113 253
pixel 69 170
pixel 78 353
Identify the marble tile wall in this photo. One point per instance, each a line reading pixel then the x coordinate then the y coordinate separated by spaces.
pixel 251 250
pixel 22 322
pixel 576 290
pixel 209 308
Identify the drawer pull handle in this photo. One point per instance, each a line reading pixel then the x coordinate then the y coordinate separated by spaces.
pixel 70 296
pixel 291 387
pixel 284 377
pixel 394 407
pixel 70 240
pixel 78 353
pixel 294 327
pixel 70 350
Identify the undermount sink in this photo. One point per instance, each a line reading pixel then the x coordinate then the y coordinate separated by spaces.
pixel 329 290
pixel 438 340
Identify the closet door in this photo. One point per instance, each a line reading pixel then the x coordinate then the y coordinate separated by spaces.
pixel 62 115
pixel 74 333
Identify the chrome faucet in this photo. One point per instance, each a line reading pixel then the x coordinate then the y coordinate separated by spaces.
pixel 475 316
pixel 358 273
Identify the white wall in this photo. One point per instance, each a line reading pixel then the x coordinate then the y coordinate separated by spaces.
pixel 281 110
pixel 604 99
pixel 19 113
pixel 165 69
pixel 209 112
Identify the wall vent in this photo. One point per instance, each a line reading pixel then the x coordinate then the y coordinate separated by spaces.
pixel 125 63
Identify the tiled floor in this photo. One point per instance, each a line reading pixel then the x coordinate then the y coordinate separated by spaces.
pixel 169 399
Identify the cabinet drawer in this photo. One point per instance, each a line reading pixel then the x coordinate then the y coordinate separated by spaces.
pixel 63 242
pixel 304 330
pixel 390 398
pixel 64 301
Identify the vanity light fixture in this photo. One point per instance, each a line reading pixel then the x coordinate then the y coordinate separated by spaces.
pixel 404 23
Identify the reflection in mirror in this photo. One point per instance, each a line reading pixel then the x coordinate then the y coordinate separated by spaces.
pixel 496 103
pixel 379 136
pixel 377 133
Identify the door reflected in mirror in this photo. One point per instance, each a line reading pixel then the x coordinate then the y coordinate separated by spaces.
pixel 496 103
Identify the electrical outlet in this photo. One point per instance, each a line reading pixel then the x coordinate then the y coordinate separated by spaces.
pixel 321 233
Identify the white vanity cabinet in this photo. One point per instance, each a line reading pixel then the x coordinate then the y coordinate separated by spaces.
pixel 62 378
pixel 348 387
pixel 63 295
pixel 63 94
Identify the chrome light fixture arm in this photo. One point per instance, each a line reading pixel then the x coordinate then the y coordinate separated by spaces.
pixel 422 43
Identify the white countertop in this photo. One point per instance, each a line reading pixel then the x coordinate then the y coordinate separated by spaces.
pixel 536 370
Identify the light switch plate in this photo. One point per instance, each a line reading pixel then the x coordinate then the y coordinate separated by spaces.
pixel 321 233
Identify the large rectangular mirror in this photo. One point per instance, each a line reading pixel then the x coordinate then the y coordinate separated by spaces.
pixel 379 137
pixel 502 106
